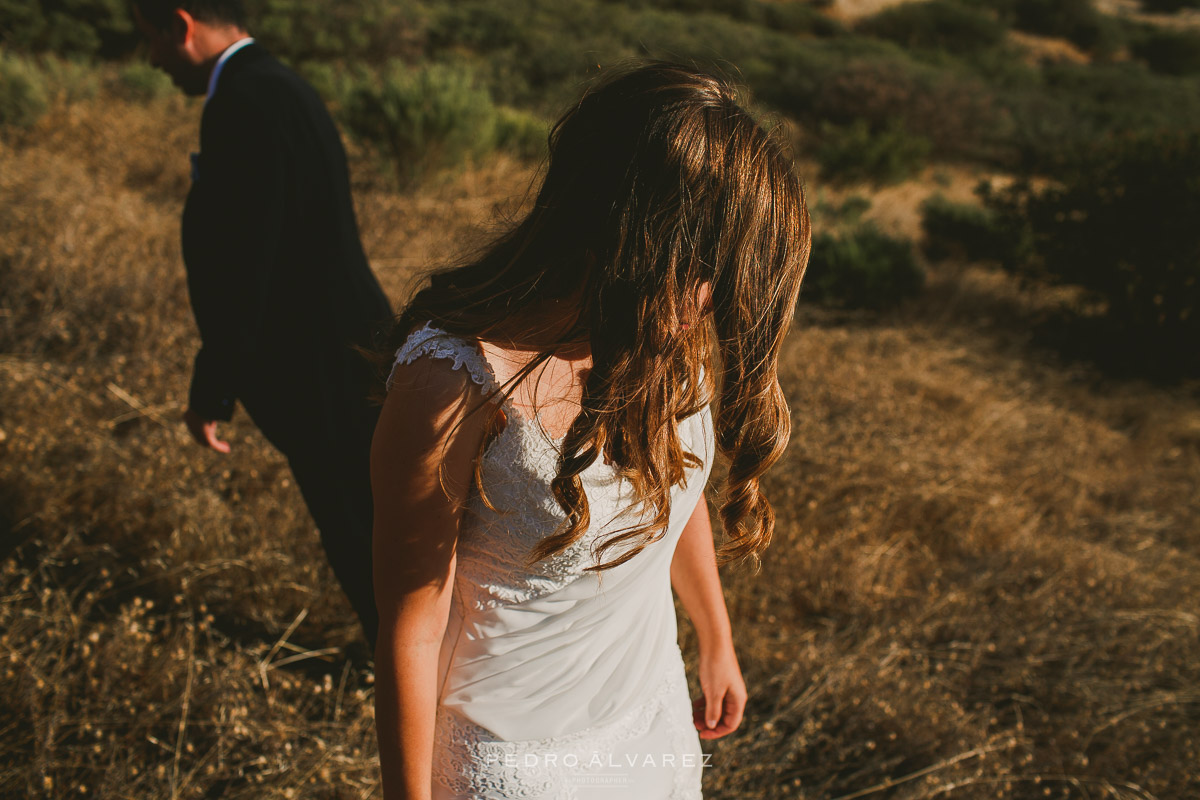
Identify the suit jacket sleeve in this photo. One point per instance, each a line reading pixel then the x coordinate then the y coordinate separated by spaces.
pixel 232 233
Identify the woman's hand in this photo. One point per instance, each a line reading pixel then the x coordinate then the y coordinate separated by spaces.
pixel 719 711
pixel 696 580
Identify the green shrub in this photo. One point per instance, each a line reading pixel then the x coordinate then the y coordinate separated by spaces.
pixel 1068 107
pixel 296 30
pixel 864 268
pixel 798 18
pixel 873 90
pixel 70 80
pixel 1122 226
pixel 958 114
pixel 536 53
pixel 853 207
pixel 533 53
pixel 23 94
pixel 838 214
pixel 521 133
pixel 370 31
pixel 1078 21
pixel 80 28
pixel 137 80
pixel 337 83
pixel 1168 6
pixel 936 25
pixel 791 17
pixel 856 153
pixel 425 119
pixel 966 232
pixel 1170 52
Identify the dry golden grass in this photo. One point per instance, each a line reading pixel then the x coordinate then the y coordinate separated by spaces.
pixel 984 582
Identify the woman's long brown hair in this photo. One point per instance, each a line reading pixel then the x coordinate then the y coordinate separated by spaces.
pixel 658 182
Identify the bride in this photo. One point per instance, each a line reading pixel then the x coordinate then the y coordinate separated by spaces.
pixel 540 463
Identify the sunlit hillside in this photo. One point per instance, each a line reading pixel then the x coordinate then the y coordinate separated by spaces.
pixel 985 577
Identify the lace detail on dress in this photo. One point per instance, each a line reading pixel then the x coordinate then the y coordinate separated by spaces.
pixel 430 341
pixel 471 761
pixel 685 739
pixel 520 511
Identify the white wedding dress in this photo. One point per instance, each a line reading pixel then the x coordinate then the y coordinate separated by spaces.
pixel 557 683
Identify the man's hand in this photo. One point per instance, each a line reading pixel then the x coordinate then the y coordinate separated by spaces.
pixel 204 431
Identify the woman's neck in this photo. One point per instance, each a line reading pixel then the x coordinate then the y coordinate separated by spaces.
pixel 548 328
pixel 551 392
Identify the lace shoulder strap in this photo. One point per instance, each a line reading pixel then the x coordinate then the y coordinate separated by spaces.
pixel 436 343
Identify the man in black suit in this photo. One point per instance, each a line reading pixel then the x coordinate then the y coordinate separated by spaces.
pixel 278 280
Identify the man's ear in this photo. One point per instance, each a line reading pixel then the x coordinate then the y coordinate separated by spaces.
pixel 183 26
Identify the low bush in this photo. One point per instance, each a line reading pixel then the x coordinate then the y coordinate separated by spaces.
pixel 936 25
pixel 796 18
pixel 856 153
pixel 296 30
pixel 533 53
pixel 138 80
pixel 1122 226
pixel 1168 6
pixel 424 119
pixel 966 232
pixel 1077 21
pixel 70 80
pixel 78 28
pixel 338 83
pixel 24 96
pixel 1066 108
pixel 862 268
pixel 1170 52
pixel 957 114
pixel 369 31
pixel 536 54
pixel 873 90
pixel 521 133
pixel 838 214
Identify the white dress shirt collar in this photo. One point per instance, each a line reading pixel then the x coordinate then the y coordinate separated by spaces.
pixel 216 73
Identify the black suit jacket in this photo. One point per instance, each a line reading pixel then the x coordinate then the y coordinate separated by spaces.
pixel 278 280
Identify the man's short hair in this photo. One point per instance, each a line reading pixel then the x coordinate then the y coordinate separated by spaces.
pixel 158 12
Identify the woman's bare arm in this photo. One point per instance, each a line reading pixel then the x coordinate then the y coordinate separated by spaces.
pixel 422 465
pixel 695 579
